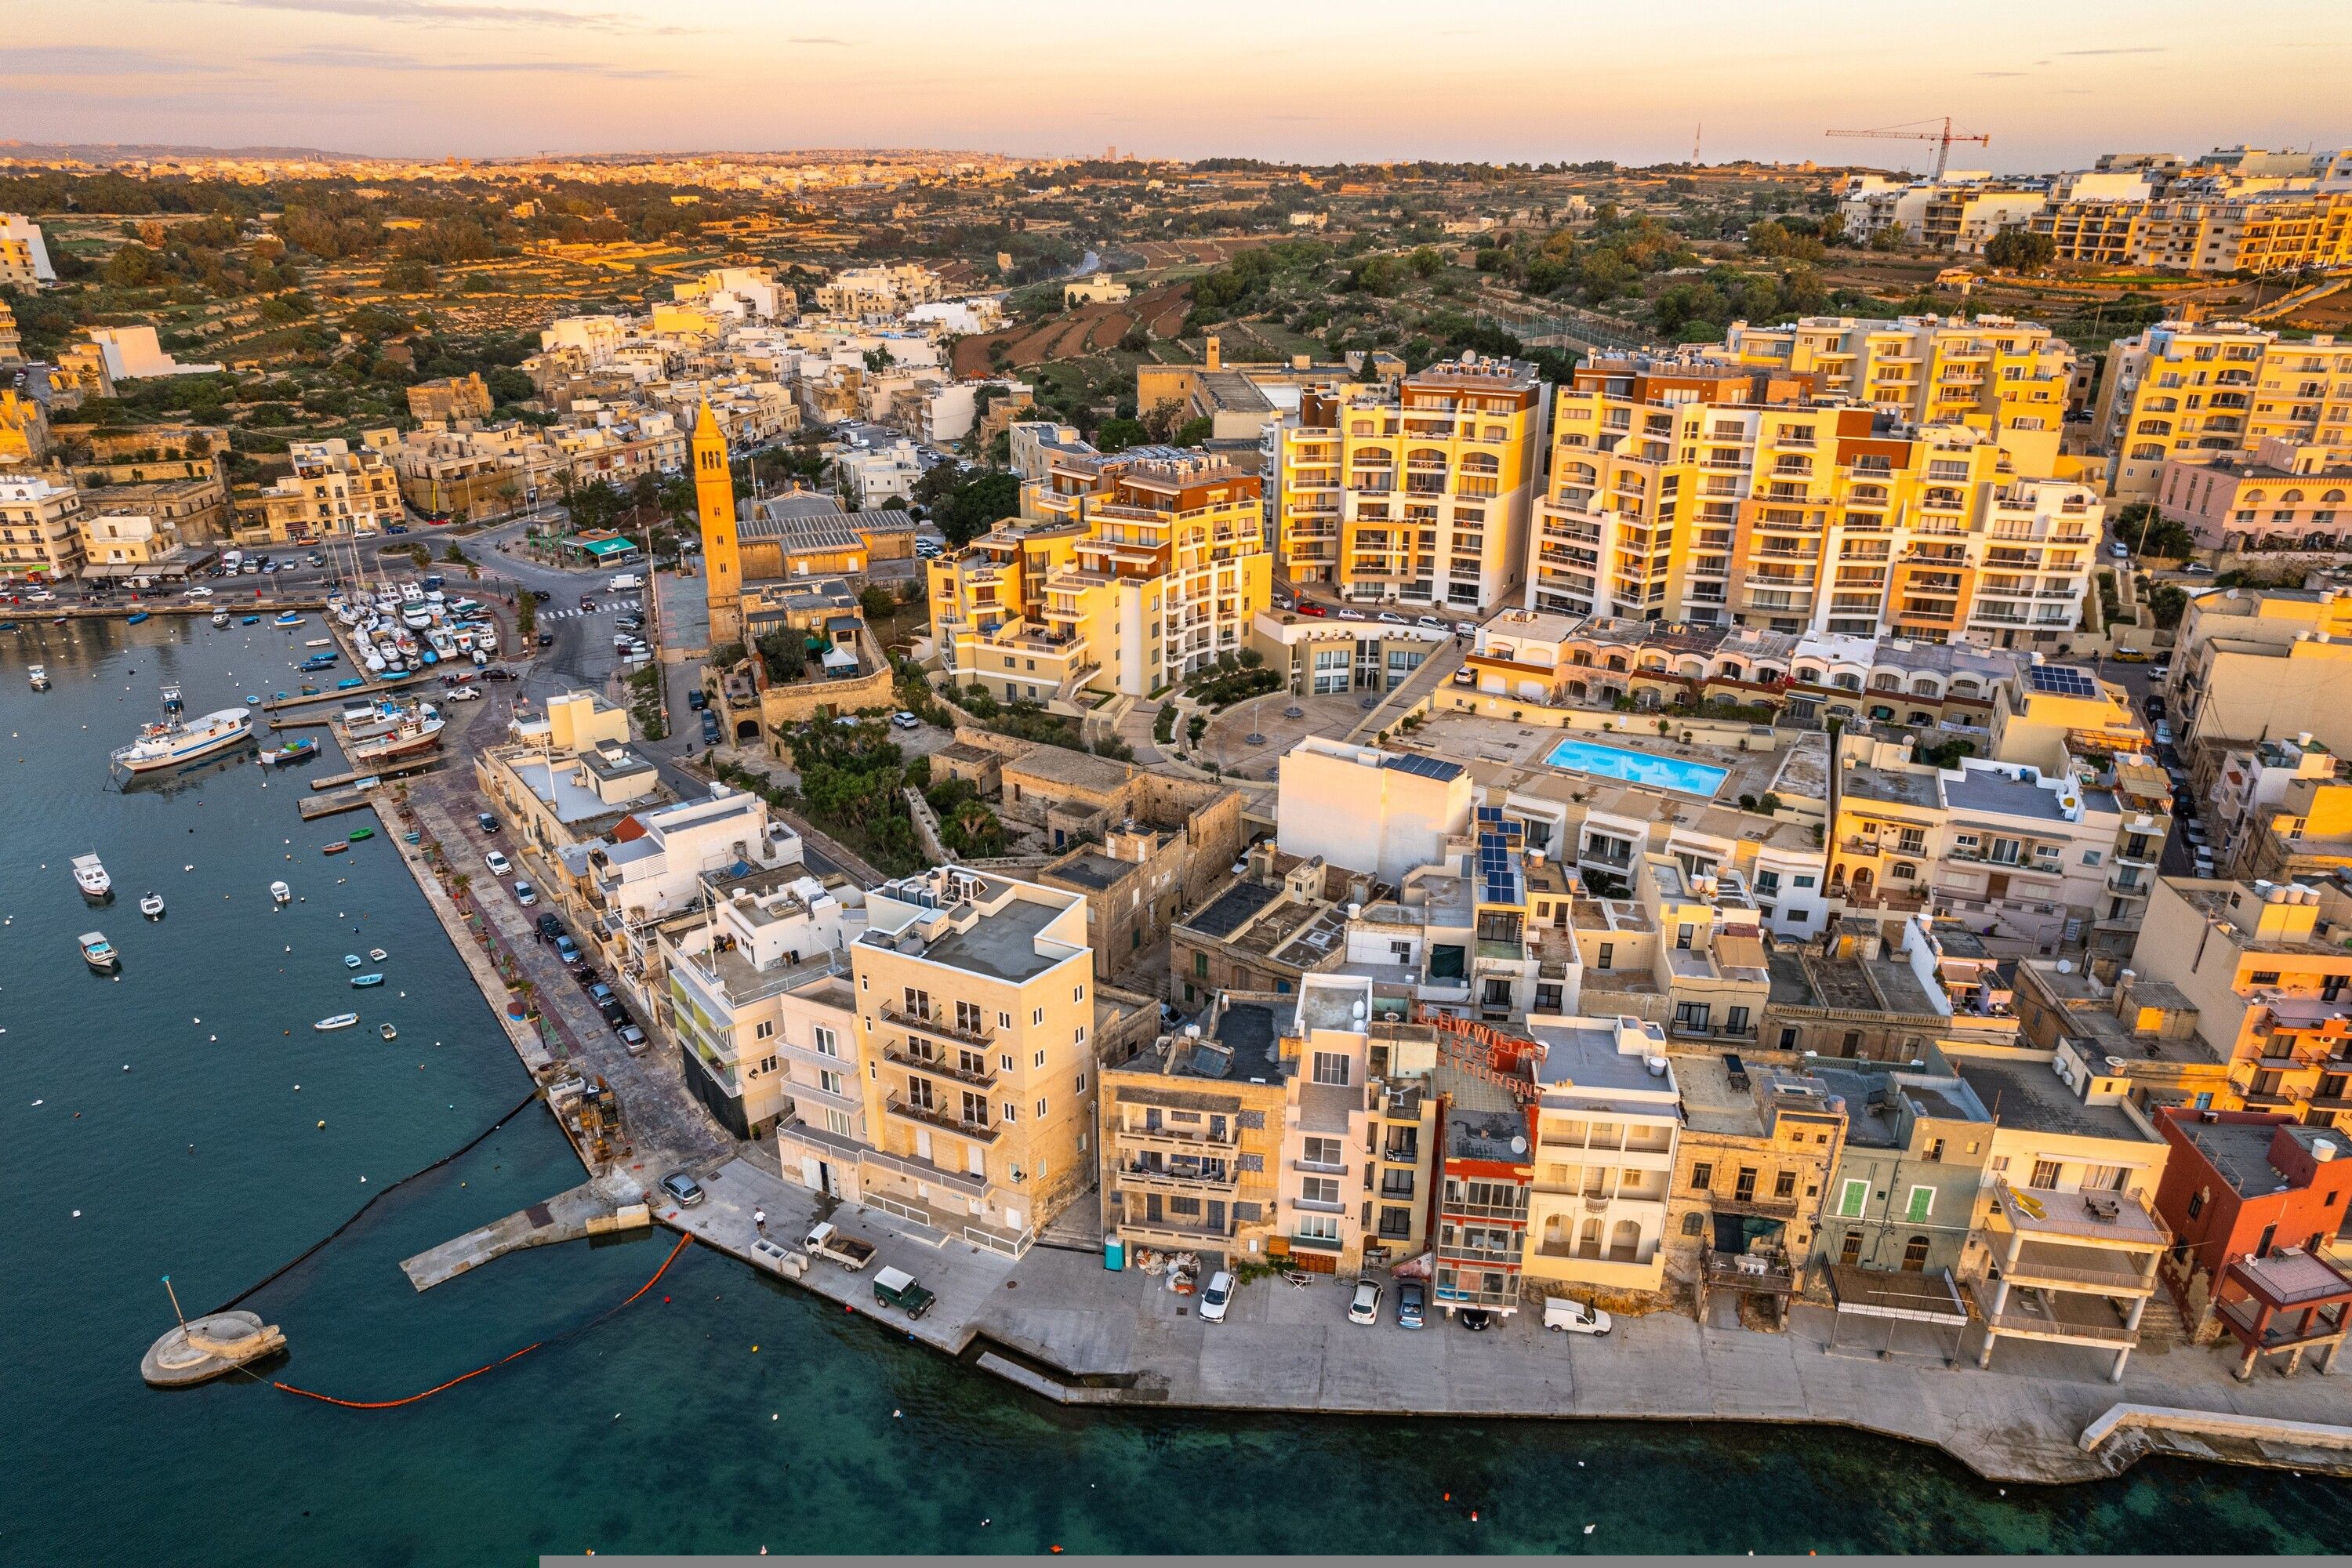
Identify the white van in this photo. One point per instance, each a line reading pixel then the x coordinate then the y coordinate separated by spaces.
pixel 624 580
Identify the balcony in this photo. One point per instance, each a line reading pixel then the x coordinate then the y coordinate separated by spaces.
pixel 1209 1178
pixel 1748 1272
pixel 1171 1138
pixel 896 1051
pixel 936 1116
pixel 1480 1256
pixel 2070 1318
pixel 1316 1243
pixel 938 1028
pixel 2057 1266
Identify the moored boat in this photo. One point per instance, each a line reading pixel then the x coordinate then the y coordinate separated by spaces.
pixel 337 847
pixel 418 730
pixel 90 875
pixel 336 1021
pixel 279 893
pixel 290 752
pixel 98 953
pixel 171 741
pixel 152 905
pixel 38 676
pixel 134 618
pixel 359 835
pixel 290 618
pixel 351 961
pixel 387 1031
pixel 377 956
pixel 220 617
pixel 364 980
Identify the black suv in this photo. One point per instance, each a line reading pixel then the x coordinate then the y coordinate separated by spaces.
pixel 549 928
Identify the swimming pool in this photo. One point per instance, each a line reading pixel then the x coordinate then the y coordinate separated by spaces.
pixel 1638 767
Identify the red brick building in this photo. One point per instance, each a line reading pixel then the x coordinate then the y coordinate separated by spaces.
pixel 2245 1185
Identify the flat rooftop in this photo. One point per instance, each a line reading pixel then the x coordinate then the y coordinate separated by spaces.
pixel 2027 1095
pixel 1997 794
pixel 2241 1152
pixel 1584 1054
pixel 1002 945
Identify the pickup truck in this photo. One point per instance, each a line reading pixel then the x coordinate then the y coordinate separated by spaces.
pixel 896 1287
pixel 826 1241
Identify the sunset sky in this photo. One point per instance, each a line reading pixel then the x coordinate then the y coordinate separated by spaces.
pixel 2055 84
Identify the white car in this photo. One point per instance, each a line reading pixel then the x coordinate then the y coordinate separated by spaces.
pixel 1364 1307
pixel 1434 622
pixel 1465 628
pixel 200 593
pixel 1346 614
pixel 1390 617
pixel 1563 1316
pixel 1217 1297
pixel 497 862
pixel 2121 553
pixel 465 694
pixel 903 720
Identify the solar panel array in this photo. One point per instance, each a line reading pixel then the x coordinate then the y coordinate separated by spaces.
pixel 2062 680
pixel 1427 767
pixel 1498 858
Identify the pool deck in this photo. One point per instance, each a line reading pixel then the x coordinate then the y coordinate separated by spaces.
pixel 1466 735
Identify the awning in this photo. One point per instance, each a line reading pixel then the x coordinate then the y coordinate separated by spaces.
pixel 1911 1298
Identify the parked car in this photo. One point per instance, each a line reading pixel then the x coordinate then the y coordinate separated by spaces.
pixel 633 1039
pixel 1309 607
pixel 466 694
pixel 1478 1319
pixel 2163 733
pixel 1465 628
pixel 1348 612
pixel 2130 656
pixel 497 672
pixel 526 895
pixel 1391 618
pixel 1413 1303
pixel 2120 552
pixel 682 1188
pixel 2196 569
pixel 549 928
pixel 486 822
pixel 1217 1297
pixel 629 622
pixel 200 593
pixel 710 735
pixel 568 950
pixel 1563 1316
pixel 498 864
pixel 902 720
pixel 697 699
pixel 1364 1306
pixel 1434 622
pixel 896 1288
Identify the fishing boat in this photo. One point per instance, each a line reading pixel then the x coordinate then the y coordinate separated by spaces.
pixel 377 956
pixel 418 730
pixel 220 617
pixel 387 1031
pixel 249 621
pixel 152 905
pixel 290 618
pixel 336 1021
pixel 90 875
pixel 348 682
pixel 10 627
pixel 361 834
pixel 173 702
pixel 134 618
pixel 171 741
pixel 319 642
pixel 98 953
pixel 320 661
pixel 281 893
pixel 337 847
pixel 38 674
pixel 290 752
pixel 351 961
pixel 366 980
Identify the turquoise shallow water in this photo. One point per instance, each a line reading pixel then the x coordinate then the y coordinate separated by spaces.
pixel 832 1435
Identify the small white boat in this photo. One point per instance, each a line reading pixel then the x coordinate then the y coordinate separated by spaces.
pixel 336 1021
pixel 281 893
pixel 98 953
pixel 152 905
pixel 387 1031
pixel 351 961
pixel 40 676
pixel 220 617
pixel 377 956
pixel 90 875
pixel 319 642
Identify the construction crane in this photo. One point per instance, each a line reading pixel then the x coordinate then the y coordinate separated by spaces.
pixel 1905 133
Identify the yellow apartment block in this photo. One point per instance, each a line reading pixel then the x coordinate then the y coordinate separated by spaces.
pixel 1996 373
pixel 975 1011
pixel 2193 391
pixel 1139 571
pixel 1698 491
pixel 1418 493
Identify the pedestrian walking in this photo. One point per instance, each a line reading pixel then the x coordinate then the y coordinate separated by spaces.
pixel 760 1220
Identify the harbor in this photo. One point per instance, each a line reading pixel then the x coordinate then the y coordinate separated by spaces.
pixel 207 1160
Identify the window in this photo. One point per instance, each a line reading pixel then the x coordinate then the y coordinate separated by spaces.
pixel 919 1003
pixel 1082 1083
pixel 1851 1198
pixel 1077 994
pixel 1682 937
pixel 2045 1173
pixel 1914 1254
pixel 1608 954
pixel 1320 1190
pixel 763 1030
pixel 837 1123
pixel 1331 1067
pixel 1322 1152
pixel 1041 1110
pixel 1004 1061
pixel 1012 1112
pixel 1805 881
pixel 975 1108
pixel 826 1046
pixel 1922 1204
pixel 1037 1015
pixel 2263 977
pixel 1702 1176
pixel 830 1082
pixel 1693 1224
pixel 2196 1202
pixel 1784 1185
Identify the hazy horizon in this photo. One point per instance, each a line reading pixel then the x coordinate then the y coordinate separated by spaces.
pixel 431 79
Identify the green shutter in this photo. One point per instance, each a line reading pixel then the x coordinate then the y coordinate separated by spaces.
pixel 1850 1199
pixel 1922 1200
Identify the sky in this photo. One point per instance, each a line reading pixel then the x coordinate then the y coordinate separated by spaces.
pixel 1506 80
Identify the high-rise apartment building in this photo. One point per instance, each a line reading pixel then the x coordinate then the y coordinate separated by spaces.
pixel 1419 494
pixel 2196 392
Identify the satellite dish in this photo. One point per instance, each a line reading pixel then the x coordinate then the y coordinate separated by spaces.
pixel 1518 1144
pixel 2065 967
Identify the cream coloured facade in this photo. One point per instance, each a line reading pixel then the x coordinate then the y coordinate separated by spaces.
pixel 40 534
pixel 1609 1117
pixel 333 492
pixel 731 970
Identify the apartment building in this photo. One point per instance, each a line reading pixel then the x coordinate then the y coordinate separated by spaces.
pixel 2065 1246
pixel 1860 994
pixel 2245 1188
pixel 760 937
pixel 975 1017
pixel 332 492
pixel 1608 1117
pixel 2273 804
pixel 1756 1150
pixel 2194 393
pixel 450 398
pixel 1416 493
pixel 40 530
pixel 24 254
pixel 1192 1131
pixel 2239 230
pixel 2249 664
pixel 1485 1174
pixel 2268 989
pixel 1140 569
pixel 2002 376
pixel 139 547
pixel 863 291
pixel 1369 809
pixel 1902 1196
pixel 2281 496
pixel 12 342
pixel 1741 502
pixel 822 1139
